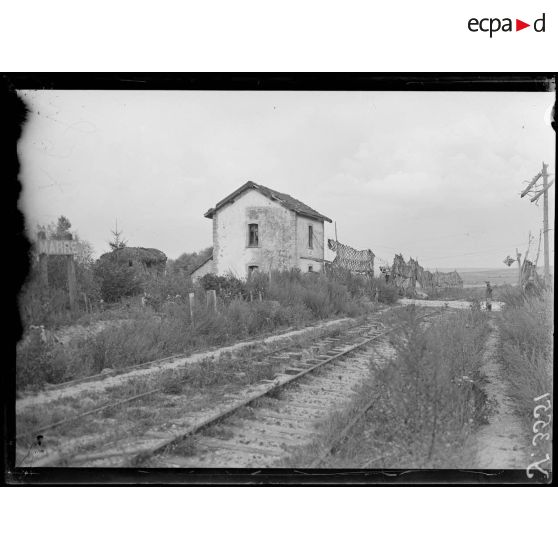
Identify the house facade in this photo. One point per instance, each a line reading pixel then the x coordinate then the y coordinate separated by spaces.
pixel 256 228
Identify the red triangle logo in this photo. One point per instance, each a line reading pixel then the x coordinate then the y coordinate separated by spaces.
pixel 519 25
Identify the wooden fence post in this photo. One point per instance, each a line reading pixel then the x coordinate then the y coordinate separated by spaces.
pixel 72 285
pixel 191 301
pixel 211 300
pixel 43 269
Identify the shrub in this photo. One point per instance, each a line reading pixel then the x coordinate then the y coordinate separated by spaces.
pixel 430 396
pixel 116 280
pixel 525 347
pixel 290 298
pixel 39 362
pixel 227 287
pixel 172 285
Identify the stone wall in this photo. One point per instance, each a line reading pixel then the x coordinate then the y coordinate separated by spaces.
pixel 276 234
pixel 307 257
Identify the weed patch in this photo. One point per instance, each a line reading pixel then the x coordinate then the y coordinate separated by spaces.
pixel 526 351
pixel 426 400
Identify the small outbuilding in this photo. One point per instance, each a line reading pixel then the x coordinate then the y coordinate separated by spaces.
pixel 145 259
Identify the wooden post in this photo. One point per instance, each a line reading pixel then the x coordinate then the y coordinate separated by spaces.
pixel 72 285
pixel 191 301
pixel 43 270
pixel 538 250
pixel 260 295
pixel 251 296
pixel 211 300
pixel 518 257
pixel 545 225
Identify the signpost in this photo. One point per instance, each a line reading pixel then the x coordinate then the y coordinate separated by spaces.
pixel 68 248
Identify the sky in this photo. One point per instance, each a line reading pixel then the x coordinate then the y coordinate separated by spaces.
pixel 432 175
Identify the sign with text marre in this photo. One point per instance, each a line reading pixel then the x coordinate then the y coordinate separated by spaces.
pixel 57 247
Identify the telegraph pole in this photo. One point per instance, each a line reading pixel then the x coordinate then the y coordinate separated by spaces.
pixel 545 224
pixel 537 194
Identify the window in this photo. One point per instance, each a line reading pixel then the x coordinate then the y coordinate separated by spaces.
pixel 251 269
pixel 310 236
pixel 253 234
pixel 310 268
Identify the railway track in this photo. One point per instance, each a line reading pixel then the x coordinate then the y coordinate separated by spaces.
pixel 253 427
pixel 112 372
pixel 259 344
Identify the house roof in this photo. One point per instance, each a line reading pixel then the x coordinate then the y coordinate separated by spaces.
pixel 208 259
pixel 284 199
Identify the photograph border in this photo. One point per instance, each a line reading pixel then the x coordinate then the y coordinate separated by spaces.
pixel 14 113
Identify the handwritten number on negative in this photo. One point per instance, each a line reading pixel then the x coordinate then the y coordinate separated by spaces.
pixel 544 408
pixel 543 437
pixel 536 466
pixel 544 425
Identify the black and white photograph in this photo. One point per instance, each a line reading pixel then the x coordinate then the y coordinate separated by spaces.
pixel 302 278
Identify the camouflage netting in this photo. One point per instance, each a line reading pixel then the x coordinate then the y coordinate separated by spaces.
pixel 355 261
pixel 149 258
pixel 410 277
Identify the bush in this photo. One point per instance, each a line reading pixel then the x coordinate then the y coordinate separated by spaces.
pixel 50 306
pixel 290 298
pixel 227 287
pixel 526 350
pixel 39 362
pixel 116 280
pixel 166 291
pixel 429 397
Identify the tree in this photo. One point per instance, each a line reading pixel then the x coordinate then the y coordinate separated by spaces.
pixel 187 262
pixel 63 227
pixel 117 243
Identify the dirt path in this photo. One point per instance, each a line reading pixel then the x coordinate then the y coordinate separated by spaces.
pixel 502 443
pixel 458 304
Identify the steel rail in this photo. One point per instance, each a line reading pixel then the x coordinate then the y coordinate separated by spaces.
pixel 141 456
pixel 141 365
pixel 138 457
pixel 50 426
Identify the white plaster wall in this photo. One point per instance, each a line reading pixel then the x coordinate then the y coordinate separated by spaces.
pixel 206 268
pixel 276 227
pixel 306 256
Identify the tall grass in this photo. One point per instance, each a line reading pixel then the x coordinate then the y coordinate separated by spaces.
pixel 288 299
pixel 526 349
pixel 430 397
